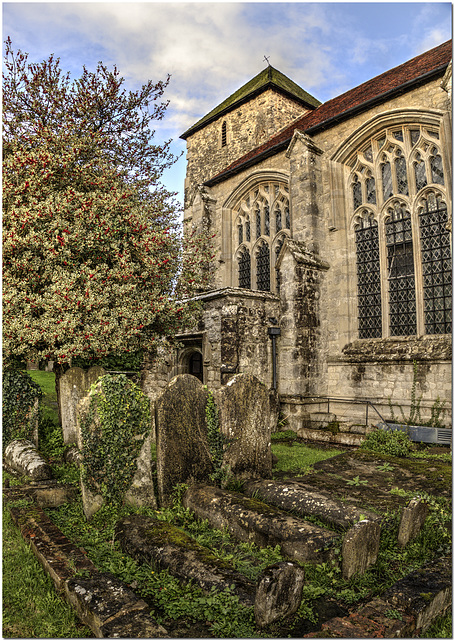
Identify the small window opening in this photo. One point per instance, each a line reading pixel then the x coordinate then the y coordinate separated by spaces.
pixel 224 134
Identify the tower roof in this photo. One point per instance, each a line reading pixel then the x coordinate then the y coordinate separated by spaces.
pixel 396 81
pixel 269 78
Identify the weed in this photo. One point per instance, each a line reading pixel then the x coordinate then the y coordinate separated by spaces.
pixel 393 614
pixel 356 482
pixel 386 466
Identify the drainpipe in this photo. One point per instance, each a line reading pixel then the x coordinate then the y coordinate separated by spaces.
pixel 273 332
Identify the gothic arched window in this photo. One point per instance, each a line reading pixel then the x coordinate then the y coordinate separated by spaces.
pixel 403 248
pixel 260 216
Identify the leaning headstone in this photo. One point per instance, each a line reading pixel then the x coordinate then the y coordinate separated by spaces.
pixel 279 592
pixel 24 457
pixel 244 416
pixel 181 435
pixel 360 548
pixel 413 518
pixel 73 386
pixel 141 493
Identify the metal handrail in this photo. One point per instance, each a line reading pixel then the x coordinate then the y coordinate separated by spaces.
pixel 368 404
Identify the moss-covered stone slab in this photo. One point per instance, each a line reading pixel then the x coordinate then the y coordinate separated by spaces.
pixel 251 520
pixel 292 497
pixel 244 416
pixel 111 609
pixel 164 546
pixel 181 436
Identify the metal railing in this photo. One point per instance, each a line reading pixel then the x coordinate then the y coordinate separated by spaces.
pixel 332 400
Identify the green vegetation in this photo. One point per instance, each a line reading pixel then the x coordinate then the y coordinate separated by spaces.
pixel 298 458
pixel 122 414
pixel 185 608
pixel 19 415
pixel 392 443
pixel 31 607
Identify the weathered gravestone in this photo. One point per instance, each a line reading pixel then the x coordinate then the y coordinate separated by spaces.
pixel 244 416
pixel 129 451
pixel 73 386
pixel 181 435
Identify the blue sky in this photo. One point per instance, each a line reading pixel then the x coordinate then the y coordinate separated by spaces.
pixel 212 49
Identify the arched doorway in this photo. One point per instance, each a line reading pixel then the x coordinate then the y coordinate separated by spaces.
pixel 195 365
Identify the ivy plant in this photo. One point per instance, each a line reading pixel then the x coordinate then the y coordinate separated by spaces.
pixel 113 429
pixel 19 413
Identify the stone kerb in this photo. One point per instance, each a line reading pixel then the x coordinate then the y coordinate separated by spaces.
pixel 73 386
pixel 244 418
pixel 181 435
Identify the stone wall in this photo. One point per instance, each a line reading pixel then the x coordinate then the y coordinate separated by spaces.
pixel 248 126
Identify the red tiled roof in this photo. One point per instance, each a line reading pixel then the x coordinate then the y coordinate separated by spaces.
pixel 381 88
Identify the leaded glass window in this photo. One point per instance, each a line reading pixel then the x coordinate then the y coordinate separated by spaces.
pixel 258 223
pixel 224 134
pixel 401 278
pixel 278 215
pixel 420 174
pixel 267 220
pixel 260 214
pixel 401 176
pixel 357 193
pixel 436 266
pixel 401 162
pixel 248 231
pixel 436 167
pixel 387 180
pixel 368 272
pixel 370 191
pixel 244 269
pixel 263 268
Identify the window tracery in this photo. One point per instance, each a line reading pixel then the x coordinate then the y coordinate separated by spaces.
pixel 401 223
pixel 266 208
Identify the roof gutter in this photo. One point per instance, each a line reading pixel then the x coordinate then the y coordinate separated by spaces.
pixel 344 115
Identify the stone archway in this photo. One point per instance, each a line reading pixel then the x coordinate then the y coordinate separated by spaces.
pixel 195 365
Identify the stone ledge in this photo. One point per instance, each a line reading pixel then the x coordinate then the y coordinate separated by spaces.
pixel 317 435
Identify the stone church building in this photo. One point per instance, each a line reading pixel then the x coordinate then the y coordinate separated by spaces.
pixel 332 223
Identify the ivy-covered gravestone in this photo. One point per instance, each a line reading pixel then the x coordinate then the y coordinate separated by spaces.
pixel 113 437
pixel 183 452
pixel 20 407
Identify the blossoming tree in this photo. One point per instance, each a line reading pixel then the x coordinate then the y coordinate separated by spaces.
pixel 93 262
